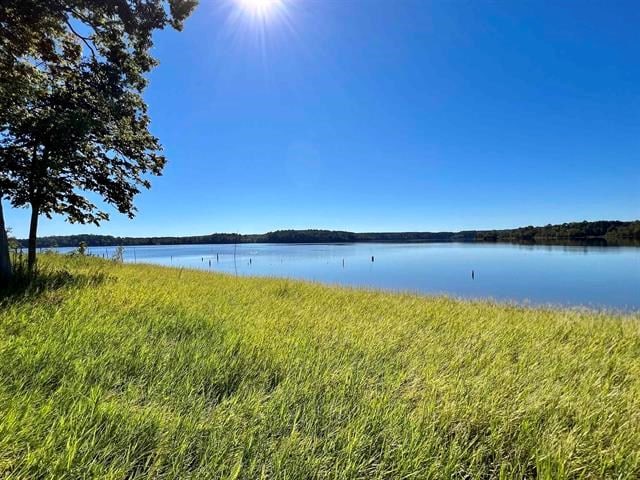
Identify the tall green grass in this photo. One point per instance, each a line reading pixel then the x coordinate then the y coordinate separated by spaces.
pixel 129 371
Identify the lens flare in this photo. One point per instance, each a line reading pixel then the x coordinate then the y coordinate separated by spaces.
pixel 257 26
pixel 261 9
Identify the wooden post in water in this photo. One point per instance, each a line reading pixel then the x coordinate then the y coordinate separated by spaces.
pixel 235 248
pixel 473 275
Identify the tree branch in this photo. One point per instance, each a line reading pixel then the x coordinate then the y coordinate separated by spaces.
pixel 85 40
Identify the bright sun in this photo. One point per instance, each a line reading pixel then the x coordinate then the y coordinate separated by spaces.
pixel 261 9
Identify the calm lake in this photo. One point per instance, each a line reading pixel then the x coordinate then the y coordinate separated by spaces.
pixel 597 277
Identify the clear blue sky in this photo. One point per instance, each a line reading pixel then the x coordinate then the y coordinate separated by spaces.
pixel 369 115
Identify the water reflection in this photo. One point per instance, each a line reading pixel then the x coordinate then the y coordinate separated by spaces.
pixel 589 275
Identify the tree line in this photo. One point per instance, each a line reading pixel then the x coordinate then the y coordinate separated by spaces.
pixel 73 120
pixel 611 231
pixel 604 229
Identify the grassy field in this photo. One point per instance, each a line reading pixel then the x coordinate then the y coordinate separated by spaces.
pixel 124 371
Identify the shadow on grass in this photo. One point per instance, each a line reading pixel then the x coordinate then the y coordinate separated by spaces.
pixel 23 286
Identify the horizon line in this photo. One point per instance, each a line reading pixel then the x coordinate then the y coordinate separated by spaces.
pixel 338 231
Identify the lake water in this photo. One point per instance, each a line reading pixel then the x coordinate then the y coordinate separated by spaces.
pixel 597 277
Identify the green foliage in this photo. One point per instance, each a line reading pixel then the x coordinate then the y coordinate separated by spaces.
pixel 82 248
pixel 118 255
pixel 605 230
pixel 146 372
pixel 14 245
pixel 5 258
pixel 50 279
pixel 72 116
pixel 602 232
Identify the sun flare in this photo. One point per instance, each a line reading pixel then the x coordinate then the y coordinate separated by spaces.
pixel 260 9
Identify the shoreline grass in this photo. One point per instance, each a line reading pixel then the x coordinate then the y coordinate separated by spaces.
pixel 139 371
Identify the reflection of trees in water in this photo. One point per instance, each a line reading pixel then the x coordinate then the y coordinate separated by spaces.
pixel 585 242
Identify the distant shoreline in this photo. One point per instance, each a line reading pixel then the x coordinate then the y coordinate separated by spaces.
pixel 587 242
pixel 605 233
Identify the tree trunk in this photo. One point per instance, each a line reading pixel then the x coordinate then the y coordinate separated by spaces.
pixel 33 233
pixel 5 260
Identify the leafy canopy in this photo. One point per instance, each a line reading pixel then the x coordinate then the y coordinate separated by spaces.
pixel 72 116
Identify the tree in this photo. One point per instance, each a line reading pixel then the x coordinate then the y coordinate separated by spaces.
pixel 5 259
pixel 82 249
pixel 72 116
